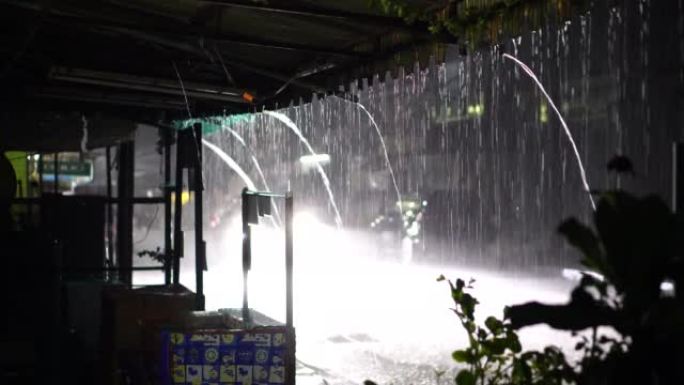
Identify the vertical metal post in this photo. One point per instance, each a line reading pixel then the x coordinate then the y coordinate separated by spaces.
pixel 678 178
pixel 246 257
pixel 289 314
pixel 678 192
pixel 200 249
pixel 56 172
pixel 27 177
pixel 177 213
pixel 41 168
pixel 289 209
pixel 125 212
pixel 29 187
pixel 167 205
pixel 110 218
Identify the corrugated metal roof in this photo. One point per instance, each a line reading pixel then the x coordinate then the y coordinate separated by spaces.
pixel 124 58
pixel 251 45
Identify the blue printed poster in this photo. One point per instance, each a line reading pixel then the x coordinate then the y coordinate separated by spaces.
pixel 237 357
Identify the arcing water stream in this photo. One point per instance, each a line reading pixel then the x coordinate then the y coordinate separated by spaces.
pixel 390 169
pixel 256 165
pixel 582 171
pixel 231 163
pixel 292 126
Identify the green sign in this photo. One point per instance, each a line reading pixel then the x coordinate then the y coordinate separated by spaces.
pixel 70 168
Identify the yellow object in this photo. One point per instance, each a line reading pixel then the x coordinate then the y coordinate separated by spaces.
pixel 178 374
pixel 475 110
pixel 185 197
pixel 228 338
pixel 177 338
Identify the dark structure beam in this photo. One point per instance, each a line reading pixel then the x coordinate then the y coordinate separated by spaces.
pixel 417 27
pixel 300 10
pixel 284 46
pixel 177 216
pixel 162 37
pixel 200 244
pixel 110 213
pixel 148 84
pixel 112 98
pixel 377 58
pixel 678 178
pixel 124 211
pixel 167 137
pixel 156 34
pixel 274 75
pixel 131 6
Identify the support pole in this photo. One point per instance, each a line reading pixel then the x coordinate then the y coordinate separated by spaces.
pixel 678 178
pixel 200 246
pixel 125 212
pixel 110 218
pixel 168 253
pixel 56 172
pixel 41 168
pixel 29 187
pixel 289 209
pixel 246 257
pixel 27 176
pixel 254 206
pixel 289 314
pixel 177 213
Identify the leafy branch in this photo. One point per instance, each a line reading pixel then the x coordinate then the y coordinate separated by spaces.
pixel 494 354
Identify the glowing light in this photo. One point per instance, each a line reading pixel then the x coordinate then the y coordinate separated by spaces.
pixel 413 230
pixel 307 223
pixel 475 110
pixel 543 113
pixel 667 287
pixel 313 160
pixel 576 275
pixel 246 96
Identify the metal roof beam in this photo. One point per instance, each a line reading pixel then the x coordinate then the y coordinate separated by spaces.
pixel 273 75
pixel 147 84
pixel 299 10
pixel 417 27
pixel 124 99
pixel 148 33
pixel 285 46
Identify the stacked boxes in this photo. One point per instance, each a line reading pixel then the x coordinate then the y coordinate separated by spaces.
pixel 237 357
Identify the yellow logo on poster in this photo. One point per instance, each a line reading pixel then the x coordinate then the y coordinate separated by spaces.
pixel 177 338
pixel 178 374
pixel 228 338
